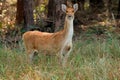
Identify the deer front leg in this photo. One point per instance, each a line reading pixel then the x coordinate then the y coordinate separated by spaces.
pixel 64 54
pixel 60 56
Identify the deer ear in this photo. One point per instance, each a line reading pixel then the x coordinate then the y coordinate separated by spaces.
pixel 75 6
pixel 63 8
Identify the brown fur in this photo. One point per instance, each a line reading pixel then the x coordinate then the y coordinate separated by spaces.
pixel 42 41
pixel 58 43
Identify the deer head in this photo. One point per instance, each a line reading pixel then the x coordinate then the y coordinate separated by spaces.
pixel 70 11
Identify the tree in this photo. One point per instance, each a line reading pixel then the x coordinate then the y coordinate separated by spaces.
pixel 25 13
pixel 55 13
pixel 51 9
pixel 118 15
pixel 20 12
pixel 28 13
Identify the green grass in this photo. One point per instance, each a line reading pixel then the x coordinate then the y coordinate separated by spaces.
pixel 91 59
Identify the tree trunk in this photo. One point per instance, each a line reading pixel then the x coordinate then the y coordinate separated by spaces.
pixel 20 12
pixel 25 13
pixel 51 9
pixel 55 13
pixel 118 15
pixel 59 15
pixel 28 14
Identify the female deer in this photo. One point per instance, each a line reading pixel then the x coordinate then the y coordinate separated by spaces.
pixel 59 43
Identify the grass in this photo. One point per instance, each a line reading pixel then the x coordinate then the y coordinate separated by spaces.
pixel 91 59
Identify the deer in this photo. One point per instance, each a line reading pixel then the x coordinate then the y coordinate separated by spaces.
pixel 57 43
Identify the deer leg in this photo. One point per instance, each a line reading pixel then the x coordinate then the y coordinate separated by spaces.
pixel 61 56
pixel 30 55
pixel 66 55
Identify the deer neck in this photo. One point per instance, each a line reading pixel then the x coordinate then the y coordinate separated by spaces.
pixel 68 29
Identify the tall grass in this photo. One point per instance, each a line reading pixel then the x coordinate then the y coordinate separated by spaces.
pixel 91 59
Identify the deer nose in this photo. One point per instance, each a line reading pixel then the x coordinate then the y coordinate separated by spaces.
pixel 69 16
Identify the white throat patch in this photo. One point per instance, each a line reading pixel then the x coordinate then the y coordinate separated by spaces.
pixel 69 35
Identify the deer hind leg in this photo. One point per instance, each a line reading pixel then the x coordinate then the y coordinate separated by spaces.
pixel 30 55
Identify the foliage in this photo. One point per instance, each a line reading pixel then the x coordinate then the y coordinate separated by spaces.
pixel 7 16
pixel 99 30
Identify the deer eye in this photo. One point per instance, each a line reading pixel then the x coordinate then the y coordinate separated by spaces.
pixel 66 11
